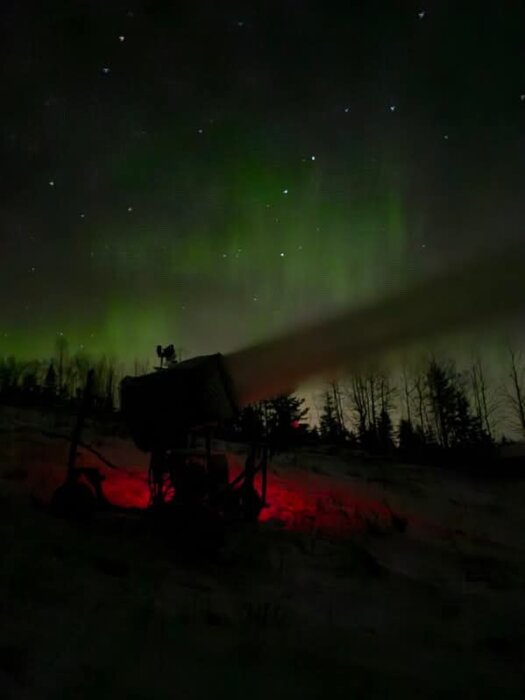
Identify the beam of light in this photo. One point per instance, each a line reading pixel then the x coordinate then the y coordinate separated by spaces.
pixel 479 291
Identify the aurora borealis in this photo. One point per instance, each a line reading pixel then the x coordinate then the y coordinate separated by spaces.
pixel 209 173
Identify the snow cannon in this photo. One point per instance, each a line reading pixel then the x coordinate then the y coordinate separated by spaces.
pixel 162 407
pixel 172 413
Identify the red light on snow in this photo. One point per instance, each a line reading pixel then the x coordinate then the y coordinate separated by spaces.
pixel 295 424
pixel 297 500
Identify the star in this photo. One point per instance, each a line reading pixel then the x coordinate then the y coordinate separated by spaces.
pixel 285 191
pixel 240 24
pixel 130 209
pixel 392 108
pixel 522 98
pixel 105 70
pixel 421 14
pixel 312 157
pixel 51 183
pixel 200 131
pixel 445 137
pixel 282 255
pixel 82 216
pixel 121 38
pixel 347 109
pixel 33 269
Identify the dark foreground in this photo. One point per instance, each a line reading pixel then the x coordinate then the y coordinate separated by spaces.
pixel 427 605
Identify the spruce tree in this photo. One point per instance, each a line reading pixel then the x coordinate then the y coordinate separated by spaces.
pixel 283 420
pixel 329 426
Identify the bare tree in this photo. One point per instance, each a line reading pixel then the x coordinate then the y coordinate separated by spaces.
pixel 484 407
pixel 515 393
pixel 407 395
pixel 360 403
pixel 386 393
pixel 421 403
pixel 61 347
pixel 371 398
pixel 338 406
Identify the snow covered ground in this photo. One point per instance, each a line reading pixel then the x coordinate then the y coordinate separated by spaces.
pixel 380 580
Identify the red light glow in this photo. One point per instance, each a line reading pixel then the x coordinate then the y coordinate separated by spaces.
pixel 297 500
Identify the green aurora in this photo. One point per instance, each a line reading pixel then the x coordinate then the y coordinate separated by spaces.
pixel 245 243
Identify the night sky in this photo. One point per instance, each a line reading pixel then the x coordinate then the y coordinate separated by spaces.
pixel 207 173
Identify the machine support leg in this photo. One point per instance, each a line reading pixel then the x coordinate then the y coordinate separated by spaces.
pixel 208 450
pixel 249 469
pixel 156 477
pixel 77 430
pixel 264 473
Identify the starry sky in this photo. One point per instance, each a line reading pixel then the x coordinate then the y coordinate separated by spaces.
pixel 209 173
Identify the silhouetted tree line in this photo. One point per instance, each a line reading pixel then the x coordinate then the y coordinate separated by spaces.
pixel 433 409
pixel 280 422
pixel 445 411
pixel 439 409
pixel 59 381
